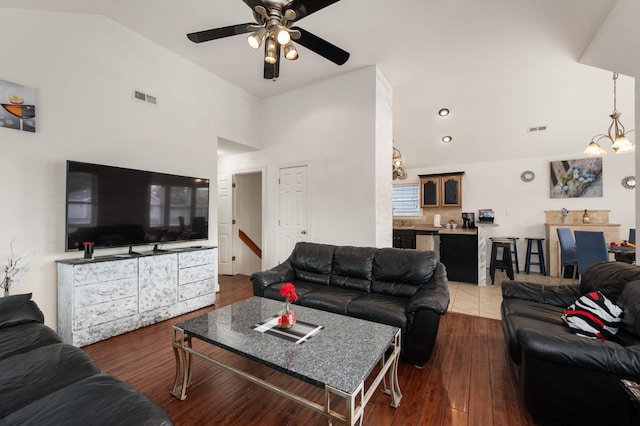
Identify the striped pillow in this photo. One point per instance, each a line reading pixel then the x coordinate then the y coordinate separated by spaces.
pixel 593 316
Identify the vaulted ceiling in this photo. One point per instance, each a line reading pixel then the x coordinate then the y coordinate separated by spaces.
pixel 501 66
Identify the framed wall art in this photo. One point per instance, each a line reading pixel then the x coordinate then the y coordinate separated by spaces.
pixel 17 107
pixel 576 178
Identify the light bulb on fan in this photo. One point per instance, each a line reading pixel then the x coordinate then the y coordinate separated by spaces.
pixel 283 36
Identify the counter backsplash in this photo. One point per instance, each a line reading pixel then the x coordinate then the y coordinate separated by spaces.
pixel 446 215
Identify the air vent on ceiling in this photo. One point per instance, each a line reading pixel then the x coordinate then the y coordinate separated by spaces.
pixel 536 129
pixel 144 97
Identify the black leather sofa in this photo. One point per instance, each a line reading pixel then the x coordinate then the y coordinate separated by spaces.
pixel 403 288
pixel 46 382
pixel 567 379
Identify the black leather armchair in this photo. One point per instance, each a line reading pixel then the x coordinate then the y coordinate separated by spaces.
pixel 402 288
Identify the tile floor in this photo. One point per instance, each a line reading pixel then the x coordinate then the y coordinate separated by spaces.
pixel 485 302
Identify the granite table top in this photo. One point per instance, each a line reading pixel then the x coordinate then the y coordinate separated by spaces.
pixel 341 355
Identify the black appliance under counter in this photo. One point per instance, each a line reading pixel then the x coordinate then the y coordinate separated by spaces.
pixel 459 253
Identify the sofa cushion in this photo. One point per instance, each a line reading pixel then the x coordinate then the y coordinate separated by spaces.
pixel 331 299
pixel 312 262
pixel 22 338
pixel 524 314
pixel 302 288
pixel 629 301
pixel 97 400
pixel 18 309
pixel 353 267
pixel 610 278
pixel 399 272
pixel 593 316
pixel 380 308
pixel 32 375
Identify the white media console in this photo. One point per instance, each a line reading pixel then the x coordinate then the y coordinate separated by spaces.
pixel 111 295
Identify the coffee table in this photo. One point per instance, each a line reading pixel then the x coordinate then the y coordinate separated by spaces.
pixel 338 357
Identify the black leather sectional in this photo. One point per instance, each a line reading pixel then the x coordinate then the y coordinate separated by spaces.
pixel 46 382
pixel 567 379
pixel 403 288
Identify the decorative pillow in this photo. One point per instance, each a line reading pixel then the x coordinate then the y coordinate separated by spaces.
pixel 593 316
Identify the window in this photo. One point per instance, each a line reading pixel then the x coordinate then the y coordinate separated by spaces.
pixel 179 206
pixel 81 202
pixel 405 200
pixel 157 202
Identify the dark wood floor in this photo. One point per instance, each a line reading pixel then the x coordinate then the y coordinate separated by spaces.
pixel 466 382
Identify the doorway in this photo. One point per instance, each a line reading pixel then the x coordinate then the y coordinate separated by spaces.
pixel 240 234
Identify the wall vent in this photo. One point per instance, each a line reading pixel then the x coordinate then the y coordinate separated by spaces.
pixel 536 129
pixel 144 97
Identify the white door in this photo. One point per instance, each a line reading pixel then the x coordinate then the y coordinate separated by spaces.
pixel 293 221
pixel 225 225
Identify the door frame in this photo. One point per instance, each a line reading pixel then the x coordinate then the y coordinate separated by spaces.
pixel 234 227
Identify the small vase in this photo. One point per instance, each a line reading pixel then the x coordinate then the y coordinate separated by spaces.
pixel 286 318
pixel 564 219
pixel 5 285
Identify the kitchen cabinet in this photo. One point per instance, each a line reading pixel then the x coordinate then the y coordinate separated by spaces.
pixel 404 238
pixel 441 190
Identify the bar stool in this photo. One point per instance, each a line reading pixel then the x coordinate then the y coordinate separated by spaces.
pixel 514 250
pixel 539 253
pixel 505 263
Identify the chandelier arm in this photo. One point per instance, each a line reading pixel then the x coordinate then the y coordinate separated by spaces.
pixel 613 126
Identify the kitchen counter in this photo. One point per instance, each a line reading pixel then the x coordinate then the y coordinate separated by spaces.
pixel 431 230
pixel 463 249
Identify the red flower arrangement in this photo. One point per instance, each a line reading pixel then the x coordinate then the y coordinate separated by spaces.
pixel 287 317
pixel 288 291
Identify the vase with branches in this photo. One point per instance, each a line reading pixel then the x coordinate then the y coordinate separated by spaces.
pixel 13 269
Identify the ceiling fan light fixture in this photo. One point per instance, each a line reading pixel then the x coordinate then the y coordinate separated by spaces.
pixel 256 38
pixel 270 56
pixel 283 35
pixel 290 52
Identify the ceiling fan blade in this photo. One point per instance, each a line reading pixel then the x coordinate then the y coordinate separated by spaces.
pixel 322 47
pixel 253 3
pixel 304 8
pixel 272 71
pixel 216 33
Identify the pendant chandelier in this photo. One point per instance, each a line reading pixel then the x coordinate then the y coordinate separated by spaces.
pixel 398 170
pixel 616 134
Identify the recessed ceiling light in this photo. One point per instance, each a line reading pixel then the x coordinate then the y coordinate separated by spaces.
pixel 444 112
pixel 447 139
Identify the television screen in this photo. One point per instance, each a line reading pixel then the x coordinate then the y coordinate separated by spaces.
pixel 116 207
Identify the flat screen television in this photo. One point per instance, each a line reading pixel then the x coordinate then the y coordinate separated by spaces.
pixel 119 207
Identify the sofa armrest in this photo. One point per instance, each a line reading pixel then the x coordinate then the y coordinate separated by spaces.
pixel 562 295
pixel 433 295
pixel 19 309
pixel 571 349
pixel 278 274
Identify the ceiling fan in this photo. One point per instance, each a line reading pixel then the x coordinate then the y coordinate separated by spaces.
pixel 273 27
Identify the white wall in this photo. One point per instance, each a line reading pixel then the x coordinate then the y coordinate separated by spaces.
pixel 383 155
pixel 84 69
pixel 497 185
pixel 331 127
